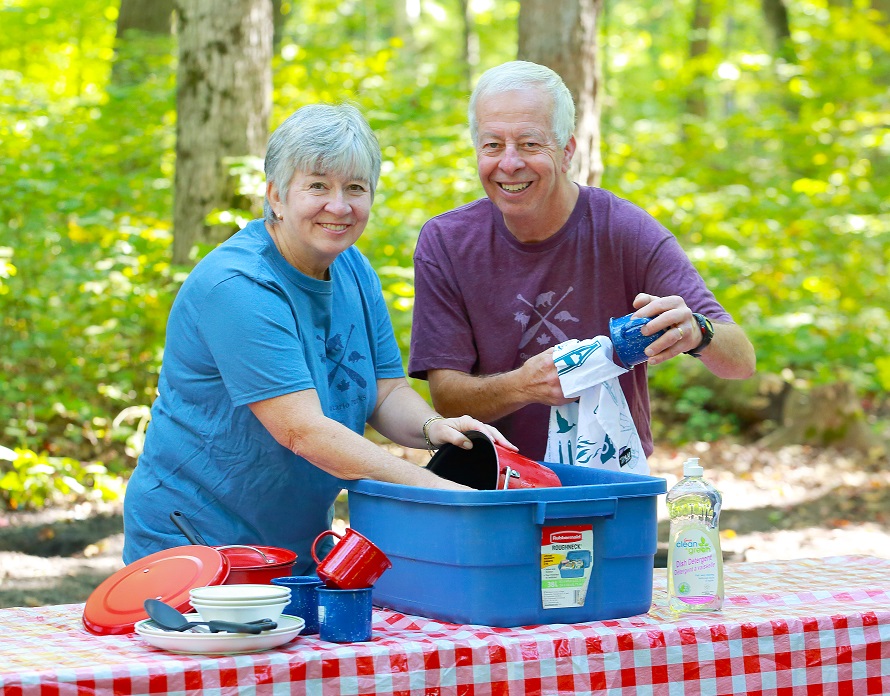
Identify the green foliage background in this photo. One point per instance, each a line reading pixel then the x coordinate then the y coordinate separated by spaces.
pixel 780 195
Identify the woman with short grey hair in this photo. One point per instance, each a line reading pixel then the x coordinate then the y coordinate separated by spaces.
pixel 335 138
pixel 279 353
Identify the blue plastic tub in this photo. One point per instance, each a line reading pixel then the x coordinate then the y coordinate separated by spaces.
pixel 494 557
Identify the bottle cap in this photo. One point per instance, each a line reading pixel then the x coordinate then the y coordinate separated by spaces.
pixel 692 468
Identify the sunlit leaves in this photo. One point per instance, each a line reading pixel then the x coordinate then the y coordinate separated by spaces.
pixel 780 194
pixel 799 196
pixel 85 214
pixel 29 480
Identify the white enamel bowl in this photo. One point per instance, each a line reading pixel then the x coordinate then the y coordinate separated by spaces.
pixel 239 613
pixel 239 593
pixel 240 603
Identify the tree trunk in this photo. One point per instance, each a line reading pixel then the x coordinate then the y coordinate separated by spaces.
pixel 828 415
pixel 150 16
pixel 402 23
pixel 224 99
pixel 372 28
pixel 696 103
pixel 882 6
pixel 563 36
pixel 776 15
pixel 137 48
pixel 470 43
pixel 277 23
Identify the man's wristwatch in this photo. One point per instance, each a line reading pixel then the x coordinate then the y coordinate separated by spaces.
pixel 707 333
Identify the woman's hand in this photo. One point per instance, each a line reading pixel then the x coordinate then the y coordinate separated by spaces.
pixel 406 418
pixel 451 430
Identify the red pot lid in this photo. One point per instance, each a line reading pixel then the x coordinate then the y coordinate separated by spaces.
pixel 115 606
pixel 255 557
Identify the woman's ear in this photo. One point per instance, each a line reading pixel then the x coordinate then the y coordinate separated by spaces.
pixel 274 200
pixel 272 194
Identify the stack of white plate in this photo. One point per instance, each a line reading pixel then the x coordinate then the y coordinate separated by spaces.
pixel 190 643
pixel 240 603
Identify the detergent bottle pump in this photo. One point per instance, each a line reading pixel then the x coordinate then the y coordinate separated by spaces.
pixel 695 561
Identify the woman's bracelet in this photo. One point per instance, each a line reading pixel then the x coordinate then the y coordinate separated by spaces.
pixel 426 436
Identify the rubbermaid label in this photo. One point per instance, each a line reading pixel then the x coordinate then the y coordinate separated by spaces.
pixel 566 565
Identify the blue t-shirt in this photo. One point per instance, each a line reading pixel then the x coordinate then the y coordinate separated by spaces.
pixel 247 326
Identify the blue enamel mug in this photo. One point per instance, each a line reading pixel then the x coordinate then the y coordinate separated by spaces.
pixel 627 341
pixel 344 616
pixel 303 599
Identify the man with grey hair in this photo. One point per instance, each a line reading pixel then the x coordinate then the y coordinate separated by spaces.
pixel 499 282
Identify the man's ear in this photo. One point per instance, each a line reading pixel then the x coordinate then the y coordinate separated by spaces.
pixel 567 154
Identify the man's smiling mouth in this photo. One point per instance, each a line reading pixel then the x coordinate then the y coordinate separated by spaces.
pixel 515 188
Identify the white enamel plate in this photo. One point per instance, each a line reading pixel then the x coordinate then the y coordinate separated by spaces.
pixel 193 643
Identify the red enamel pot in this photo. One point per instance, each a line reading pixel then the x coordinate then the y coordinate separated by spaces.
pixel 247 564
pixel 489 466
pixel 256 565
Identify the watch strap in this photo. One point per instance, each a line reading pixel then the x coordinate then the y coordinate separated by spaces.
pixel 707 333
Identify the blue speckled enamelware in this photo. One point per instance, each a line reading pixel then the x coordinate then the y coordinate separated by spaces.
pixel 628 342
pixel 344 616
pixel 303 599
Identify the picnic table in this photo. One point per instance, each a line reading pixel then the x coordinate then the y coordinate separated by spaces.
pixel 813 626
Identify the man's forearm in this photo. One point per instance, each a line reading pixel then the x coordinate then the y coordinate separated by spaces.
pixel 485 397
pixel 730 354
pixel 490 397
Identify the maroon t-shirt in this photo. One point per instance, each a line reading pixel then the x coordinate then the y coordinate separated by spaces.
pixel 485 302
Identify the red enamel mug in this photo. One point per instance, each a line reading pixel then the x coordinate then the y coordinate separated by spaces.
pixel 354 562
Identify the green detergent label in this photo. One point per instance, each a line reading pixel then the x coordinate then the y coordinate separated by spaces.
pixel 696 574
pixel 566 565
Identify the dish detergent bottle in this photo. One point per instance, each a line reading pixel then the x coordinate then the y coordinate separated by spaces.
pixel 695 561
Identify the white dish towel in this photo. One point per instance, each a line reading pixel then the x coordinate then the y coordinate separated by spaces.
pixel 597 430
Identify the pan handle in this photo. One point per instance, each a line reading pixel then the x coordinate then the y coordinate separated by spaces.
pixel 182 522
pixel 509 473
pixel 245 546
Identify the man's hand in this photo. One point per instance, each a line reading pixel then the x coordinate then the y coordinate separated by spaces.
pixel 730 354
pixel 489 397
pixel 670 314
pixel 539 380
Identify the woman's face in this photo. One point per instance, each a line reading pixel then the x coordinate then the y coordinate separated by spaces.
pixel 324 215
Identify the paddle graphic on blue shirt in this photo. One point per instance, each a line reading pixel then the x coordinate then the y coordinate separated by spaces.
pixel 340 364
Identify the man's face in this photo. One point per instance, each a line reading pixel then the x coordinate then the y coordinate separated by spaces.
pixel 521 166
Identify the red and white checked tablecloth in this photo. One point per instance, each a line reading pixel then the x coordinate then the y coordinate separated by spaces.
pixel 817 626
